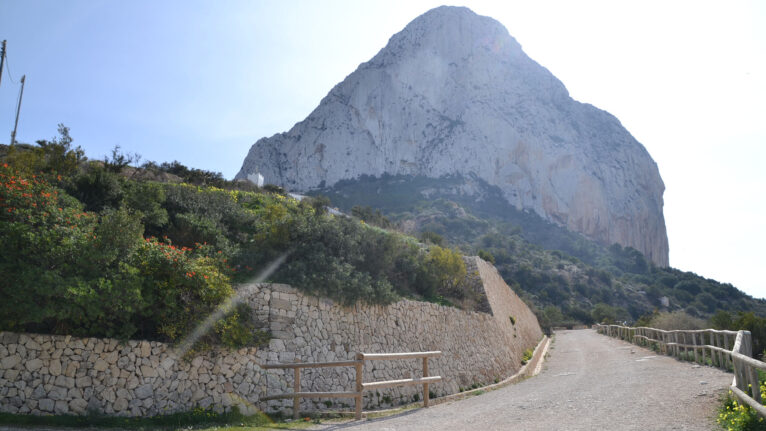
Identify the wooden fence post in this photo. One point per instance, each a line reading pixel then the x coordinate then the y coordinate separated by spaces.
pixel 751 375
pixel 668 348
pixel 296 389
pixel 718 343
pixel 694 342
pixel 358 398
pixel 675 346
pixel 425 385
pixel 738 363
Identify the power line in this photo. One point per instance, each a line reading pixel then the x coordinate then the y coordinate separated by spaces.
pixel 4 61
pixel 8 69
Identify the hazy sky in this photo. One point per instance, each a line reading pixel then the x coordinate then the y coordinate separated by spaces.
pixel 201 81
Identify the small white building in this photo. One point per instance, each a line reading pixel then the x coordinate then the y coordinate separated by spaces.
pixel 256 179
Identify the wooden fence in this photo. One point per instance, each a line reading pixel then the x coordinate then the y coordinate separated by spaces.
pixel 361 386
pixel 728 350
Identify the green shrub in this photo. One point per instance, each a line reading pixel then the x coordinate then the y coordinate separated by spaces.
pixel 194 176
pixel 51 158
pixel 373 217
pixel 147 199
pixel 123 258
pixel 237 329
pixel 70 271
pixel 526 356
pixel 487 256
pixel 604 313
pixel 676 320
pixel 97 188
pixel 734 416
pixel 443 270
pixel 55 272
pixel 429 237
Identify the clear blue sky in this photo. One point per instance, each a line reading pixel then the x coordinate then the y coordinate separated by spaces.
pixel 201 81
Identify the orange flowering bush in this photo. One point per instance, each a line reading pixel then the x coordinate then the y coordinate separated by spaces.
pixel 180 285
pixel 70 271
pixel 48 245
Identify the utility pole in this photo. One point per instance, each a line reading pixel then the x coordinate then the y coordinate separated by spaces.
pixel 2 60
pixel 18 109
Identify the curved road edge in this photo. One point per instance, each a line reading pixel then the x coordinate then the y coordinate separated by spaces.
pixel 530 369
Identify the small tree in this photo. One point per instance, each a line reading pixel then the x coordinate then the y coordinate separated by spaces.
pixel 443 271
pixel 604 313
pixel 722 320
pixel 676 320
pixel 119 161
pixel 487 256
pixel 429 237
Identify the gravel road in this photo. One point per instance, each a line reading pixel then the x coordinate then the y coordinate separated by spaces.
pixel 589 382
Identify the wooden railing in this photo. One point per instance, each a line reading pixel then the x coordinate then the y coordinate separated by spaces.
pixel 361 386
pixel 698 346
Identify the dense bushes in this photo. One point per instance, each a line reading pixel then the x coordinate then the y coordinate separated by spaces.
pixel 676 320
pixel 736 416
pixel 66 270
pixel 92 252
pixel 343 258
pixel 547 264
pixel 747 321
pixel 50 157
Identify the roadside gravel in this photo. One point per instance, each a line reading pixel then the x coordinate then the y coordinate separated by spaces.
pixel 589 382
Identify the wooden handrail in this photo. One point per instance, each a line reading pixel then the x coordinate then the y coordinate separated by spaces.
pixel 312 364
pixel 720 331
pixel 745 385
pixel 390 356
pixel 358 364
pixel 311 395
pixel 402 382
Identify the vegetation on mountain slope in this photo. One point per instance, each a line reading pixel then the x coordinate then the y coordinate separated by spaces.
pixel 98 248
pixel 104 248
pixel 568 278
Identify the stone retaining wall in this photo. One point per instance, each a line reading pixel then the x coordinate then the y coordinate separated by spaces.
pixel 43 374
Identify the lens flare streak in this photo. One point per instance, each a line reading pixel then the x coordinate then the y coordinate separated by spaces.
pixel 226 307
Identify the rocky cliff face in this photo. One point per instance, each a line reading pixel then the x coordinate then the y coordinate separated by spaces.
pixel 453 93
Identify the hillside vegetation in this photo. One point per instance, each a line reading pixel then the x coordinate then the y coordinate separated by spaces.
pixel 102 248
pixel 99 248
pixel 568 278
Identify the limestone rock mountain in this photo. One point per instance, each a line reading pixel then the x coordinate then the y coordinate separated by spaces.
pixel 454 94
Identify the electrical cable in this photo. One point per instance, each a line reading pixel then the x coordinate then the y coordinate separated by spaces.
pixel 8 69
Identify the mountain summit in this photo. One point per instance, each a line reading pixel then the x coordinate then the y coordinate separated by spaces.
pixel 453 94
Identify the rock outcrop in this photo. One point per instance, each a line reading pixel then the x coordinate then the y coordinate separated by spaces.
pixel 453 93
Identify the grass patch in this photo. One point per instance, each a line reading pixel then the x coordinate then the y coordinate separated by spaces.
pixel 294 425
pixel 196 418
pixel 526 356
pixel 391 412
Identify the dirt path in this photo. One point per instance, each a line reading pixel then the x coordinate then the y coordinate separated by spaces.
pixel 590 382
